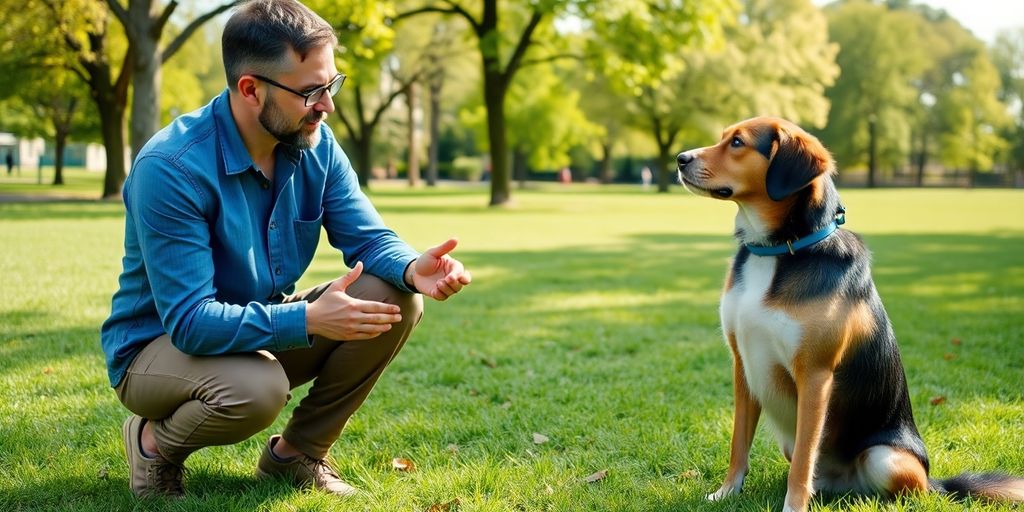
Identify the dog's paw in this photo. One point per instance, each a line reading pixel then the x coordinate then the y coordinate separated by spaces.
pixel 722 492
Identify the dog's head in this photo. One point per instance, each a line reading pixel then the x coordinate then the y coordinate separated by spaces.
pixel 763 157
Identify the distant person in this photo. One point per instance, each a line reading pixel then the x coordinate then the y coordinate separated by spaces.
pixel 224 208
pixel 565 175
pixel 646 176
pixel 9 160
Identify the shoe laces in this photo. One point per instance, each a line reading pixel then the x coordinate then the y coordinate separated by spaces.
pixel 321 468
pixel 166 477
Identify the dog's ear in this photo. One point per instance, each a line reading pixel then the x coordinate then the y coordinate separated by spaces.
pixel 796 158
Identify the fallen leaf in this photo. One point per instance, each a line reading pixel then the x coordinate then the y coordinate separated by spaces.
pixel 596 477
pixel 506 405
pixel 955 341
pixel 47 370
pixel 103 473
pixel 401 464
pixel 689 474
pixel 937 400
pixel 949 356
pixel 454 448
pixel 540 438
pixel 489 362
pixel 548 489
pixel 443 507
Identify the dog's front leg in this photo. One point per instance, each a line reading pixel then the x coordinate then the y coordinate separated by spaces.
pixel 814 387
pixel 746 413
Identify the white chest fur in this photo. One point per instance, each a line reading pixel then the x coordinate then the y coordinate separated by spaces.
pixel 766 340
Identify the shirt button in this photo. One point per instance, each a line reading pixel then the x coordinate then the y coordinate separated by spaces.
pixel 265 185
pixel 277 271
pixel 273 224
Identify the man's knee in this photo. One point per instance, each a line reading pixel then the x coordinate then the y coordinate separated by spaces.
pixel 258 394
pixel 370 287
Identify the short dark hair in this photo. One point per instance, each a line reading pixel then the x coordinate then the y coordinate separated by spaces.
pixel 261 32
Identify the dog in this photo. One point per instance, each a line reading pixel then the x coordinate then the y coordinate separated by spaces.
pixel 812 345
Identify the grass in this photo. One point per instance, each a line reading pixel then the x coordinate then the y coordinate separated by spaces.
pixel 37 184
pixel 592 320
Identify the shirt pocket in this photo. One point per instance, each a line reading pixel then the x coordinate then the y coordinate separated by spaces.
pixel 307 237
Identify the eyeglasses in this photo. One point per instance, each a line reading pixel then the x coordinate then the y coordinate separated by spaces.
pixel 311 96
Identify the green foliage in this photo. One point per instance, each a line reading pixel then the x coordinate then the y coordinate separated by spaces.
pixel 592 320
pixel 467 168
pixel 881 53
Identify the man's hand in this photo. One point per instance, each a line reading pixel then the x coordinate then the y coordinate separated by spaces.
pixel 436 274
pixel 337 316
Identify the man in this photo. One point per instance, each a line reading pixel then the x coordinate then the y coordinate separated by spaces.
pixel 224 211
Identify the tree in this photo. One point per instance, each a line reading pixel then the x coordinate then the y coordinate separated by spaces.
pixel 972 116
pixel 628 48
pixel 378 75
pixel 731 61
pixel 544 123
pixel 1008 57
pixel 92 60
pixel 501 58
pixel 881 55
pixel 144 23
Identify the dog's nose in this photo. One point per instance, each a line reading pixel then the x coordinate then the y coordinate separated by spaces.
pixel 684 158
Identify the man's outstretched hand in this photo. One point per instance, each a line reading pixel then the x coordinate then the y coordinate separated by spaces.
pixel 438 275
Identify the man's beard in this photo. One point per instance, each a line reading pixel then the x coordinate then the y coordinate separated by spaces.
pixel 274 121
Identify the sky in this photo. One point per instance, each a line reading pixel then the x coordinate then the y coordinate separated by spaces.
pixel 984 17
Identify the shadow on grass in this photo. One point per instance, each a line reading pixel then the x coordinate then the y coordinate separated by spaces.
pixel 629 331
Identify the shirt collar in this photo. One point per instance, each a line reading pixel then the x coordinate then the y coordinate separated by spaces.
pixel 233 152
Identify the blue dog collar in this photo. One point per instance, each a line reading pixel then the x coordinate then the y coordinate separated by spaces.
pixel 791 247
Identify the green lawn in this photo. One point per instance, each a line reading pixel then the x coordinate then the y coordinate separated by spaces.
pixel 592 320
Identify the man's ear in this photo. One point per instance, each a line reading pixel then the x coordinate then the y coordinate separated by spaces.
pixel 247 90
pixel 798 159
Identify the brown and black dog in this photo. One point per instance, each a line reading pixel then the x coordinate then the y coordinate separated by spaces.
pixel 812 345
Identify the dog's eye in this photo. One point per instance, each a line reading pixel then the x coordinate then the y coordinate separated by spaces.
pixel 736 142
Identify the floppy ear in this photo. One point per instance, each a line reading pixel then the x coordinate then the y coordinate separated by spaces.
pixel 798 159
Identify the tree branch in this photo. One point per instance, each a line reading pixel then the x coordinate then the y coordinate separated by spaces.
pixel 158 25
pixel 119 11
pixel 455 9
pixel 553 58
pixel 192 27
pixel 524 42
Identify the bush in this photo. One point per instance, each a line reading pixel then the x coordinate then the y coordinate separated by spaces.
pixel 468 168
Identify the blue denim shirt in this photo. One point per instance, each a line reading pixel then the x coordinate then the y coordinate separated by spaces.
pixel 212 246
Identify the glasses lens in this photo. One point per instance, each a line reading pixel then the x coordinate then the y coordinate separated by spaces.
pixel 335 85
pixel 331 88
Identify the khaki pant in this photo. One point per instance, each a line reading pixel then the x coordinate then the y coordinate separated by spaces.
pixel 198 401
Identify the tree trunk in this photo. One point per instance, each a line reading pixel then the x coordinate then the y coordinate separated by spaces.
pixel 519 166
pixel 872 151
pixel 364 159
pixel 142 25
pixel 494 99
pixel 664 163
pixel 112 127
pixel 413 163
pixel 922 159
pixel 60 141
pixel 606 170
pixel 435 131
pixel 145 120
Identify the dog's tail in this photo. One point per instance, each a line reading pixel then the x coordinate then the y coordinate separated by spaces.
pixel 992 486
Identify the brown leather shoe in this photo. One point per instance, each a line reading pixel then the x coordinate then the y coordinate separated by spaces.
pixel 302 471
pixel 154 476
